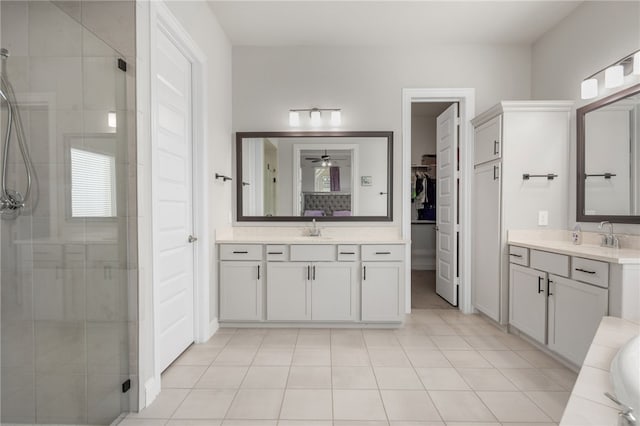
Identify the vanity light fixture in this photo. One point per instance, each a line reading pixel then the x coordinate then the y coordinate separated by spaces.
pixel 315 116
pixel 614 76
pixel 589 88
pixel 294 119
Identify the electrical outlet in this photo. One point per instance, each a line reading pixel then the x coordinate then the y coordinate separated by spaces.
pixel 543 218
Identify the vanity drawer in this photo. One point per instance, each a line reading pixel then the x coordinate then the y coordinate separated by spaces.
pixel 240 252
pixel 590 271
pixel 519 255
pixel 348 252
pixel 313 252
pixel 554 263
pixel 382 252
pixel 277 252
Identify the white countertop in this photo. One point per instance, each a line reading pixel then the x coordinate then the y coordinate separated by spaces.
pixel 587 404
pixel 299 235
pixel 558 242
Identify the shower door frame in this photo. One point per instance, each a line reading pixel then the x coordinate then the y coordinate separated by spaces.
pixel 161 19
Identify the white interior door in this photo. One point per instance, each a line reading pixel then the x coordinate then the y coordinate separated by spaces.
pixel 172 172
pixel 447 205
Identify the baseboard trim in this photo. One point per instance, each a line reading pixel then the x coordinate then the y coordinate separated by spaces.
pixel 214 325
pixel 152 388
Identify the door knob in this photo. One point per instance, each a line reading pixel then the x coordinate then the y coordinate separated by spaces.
pixel 192 239
pixel 435 228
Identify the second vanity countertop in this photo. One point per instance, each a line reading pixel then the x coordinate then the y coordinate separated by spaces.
pixel 297 235
pixel 558 241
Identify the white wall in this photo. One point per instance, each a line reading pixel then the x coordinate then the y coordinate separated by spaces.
pixel 201 24
pixel 367 83
pixel 423 137
pixel 595 35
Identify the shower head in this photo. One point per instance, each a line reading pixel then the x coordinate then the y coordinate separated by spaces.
pixel 4 53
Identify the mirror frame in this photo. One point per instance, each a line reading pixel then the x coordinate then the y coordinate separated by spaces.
pixel 581 150
pixel 240 217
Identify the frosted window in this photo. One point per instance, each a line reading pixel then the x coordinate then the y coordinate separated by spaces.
pixel 93 184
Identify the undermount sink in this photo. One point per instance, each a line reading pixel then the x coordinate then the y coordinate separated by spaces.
pixel 625 374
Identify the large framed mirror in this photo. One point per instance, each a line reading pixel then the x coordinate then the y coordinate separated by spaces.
pixel 608 136
pixel 327 176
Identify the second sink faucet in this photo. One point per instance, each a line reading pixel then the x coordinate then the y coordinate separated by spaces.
pixel 609 240
pixel 314 231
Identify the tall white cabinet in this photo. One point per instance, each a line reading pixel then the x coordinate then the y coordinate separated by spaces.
pixel 521 160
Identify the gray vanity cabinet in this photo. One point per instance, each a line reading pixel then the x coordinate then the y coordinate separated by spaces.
pixel 241 290
pixel 288 291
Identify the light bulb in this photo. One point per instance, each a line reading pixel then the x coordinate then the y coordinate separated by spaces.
pixel 336 118
pixel 329 164
pixel 294 118
pixel 589 88
pixel 636 63
pixel 316 119
pixel 324 164
pixel 614 76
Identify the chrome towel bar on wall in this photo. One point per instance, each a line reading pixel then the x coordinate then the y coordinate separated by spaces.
pixel 604 175
pixel 549 176
pixel 223 177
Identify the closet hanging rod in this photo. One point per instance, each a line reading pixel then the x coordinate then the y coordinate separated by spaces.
pixel 418 166
pixel 549 176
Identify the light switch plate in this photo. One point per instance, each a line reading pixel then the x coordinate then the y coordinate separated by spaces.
pixel 543 218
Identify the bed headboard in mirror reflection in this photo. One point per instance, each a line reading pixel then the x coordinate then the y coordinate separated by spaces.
pixel 608 148
pixel 324 175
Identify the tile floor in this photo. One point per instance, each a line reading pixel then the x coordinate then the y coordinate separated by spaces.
pixel 440 368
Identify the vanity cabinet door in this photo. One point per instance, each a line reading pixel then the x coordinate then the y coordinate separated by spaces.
pixel 333 291
pixel 241 291
pixel 382 295
pixel 575 311
pixel 488 141
pixel 288 291
pixel 528 301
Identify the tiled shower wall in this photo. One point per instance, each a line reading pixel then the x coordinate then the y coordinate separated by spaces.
pixel 69 288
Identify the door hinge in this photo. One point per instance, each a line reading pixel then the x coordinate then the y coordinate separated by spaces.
pixel 456 281
pixel 126 385
pixel 457 228
pixel 457 121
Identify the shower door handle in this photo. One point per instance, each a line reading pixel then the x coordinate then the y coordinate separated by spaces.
pixel 192 239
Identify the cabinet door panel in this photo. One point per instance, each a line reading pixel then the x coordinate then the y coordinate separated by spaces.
pixel 382 284
pixel 486 240
pixel 528 301
pixel 333 292
pixel 240 291
pixel 577 309
pixel 488 141
pixel 288 291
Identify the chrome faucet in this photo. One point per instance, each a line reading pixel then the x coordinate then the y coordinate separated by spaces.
pixel 625 415
pixel 314 231
pixel 609 240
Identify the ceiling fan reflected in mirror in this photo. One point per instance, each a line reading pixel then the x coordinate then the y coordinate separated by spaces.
pixel 325 159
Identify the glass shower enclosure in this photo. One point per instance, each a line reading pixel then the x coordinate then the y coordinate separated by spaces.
pixel 68 267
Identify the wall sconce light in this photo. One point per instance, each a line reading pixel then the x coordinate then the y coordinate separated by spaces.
pixel 315 116
pixel 614 75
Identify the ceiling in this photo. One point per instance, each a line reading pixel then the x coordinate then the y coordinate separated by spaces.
pixel 387 23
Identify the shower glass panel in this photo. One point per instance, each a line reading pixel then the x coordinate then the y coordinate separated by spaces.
pixel 68 260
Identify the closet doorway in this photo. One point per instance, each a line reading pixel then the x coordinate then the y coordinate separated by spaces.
pixel 434 201
pixel 462 176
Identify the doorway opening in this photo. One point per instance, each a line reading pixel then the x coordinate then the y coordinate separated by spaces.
pixel 437 150
pixel 426 269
